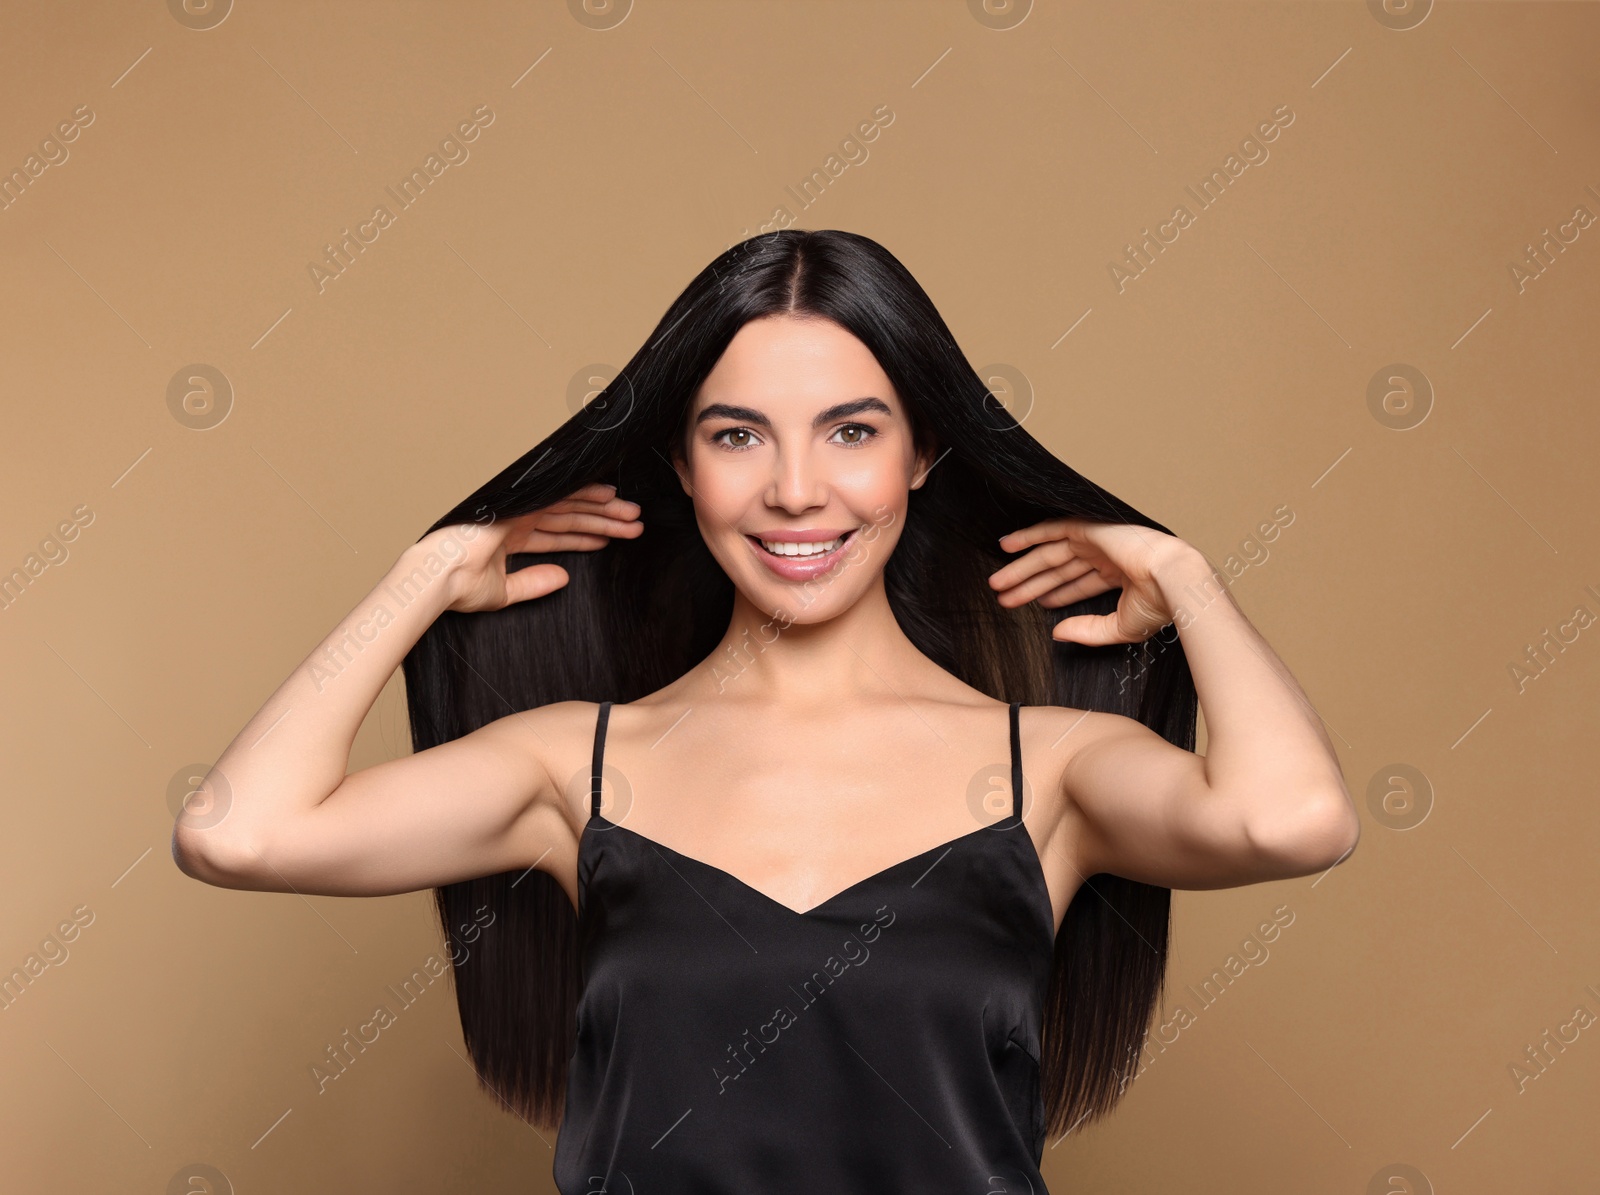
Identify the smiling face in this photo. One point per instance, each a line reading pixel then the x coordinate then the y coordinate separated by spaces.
pixel 799 458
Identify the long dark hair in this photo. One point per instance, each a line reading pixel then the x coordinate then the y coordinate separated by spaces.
pixel 639 613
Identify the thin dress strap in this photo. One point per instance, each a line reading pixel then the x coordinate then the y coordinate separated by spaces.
pixel 1016 761
pixel 599 754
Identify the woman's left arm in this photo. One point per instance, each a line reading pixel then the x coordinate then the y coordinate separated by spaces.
pixel 1267 800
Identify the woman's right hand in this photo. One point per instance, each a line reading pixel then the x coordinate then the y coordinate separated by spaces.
pixel 586 520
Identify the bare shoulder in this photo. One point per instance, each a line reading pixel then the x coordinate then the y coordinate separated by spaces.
pixel 1072 736
pixel 1053 734
pixel 1071 729
pixel 554 743
pixel 1053 737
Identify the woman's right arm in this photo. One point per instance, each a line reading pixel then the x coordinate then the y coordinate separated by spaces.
pixel 277 811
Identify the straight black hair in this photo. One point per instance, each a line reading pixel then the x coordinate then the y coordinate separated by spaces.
pixel 639 613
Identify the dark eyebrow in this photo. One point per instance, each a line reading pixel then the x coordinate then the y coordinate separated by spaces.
pixel 855 406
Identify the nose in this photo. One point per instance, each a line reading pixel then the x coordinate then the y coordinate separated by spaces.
pixel 797 483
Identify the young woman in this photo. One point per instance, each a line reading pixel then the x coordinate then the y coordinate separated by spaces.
pixel 805 752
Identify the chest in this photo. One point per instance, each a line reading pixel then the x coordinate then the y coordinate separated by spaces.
pixel 968 919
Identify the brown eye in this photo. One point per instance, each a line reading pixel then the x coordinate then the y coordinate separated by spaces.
pixel 863 434
pixel 732 431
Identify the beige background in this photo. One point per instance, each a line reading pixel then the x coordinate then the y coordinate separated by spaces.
pixel 1228 380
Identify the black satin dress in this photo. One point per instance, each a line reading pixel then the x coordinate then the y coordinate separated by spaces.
pixel 883 1041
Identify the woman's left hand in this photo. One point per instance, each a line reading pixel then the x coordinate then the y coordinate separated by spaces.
pixel 1077 558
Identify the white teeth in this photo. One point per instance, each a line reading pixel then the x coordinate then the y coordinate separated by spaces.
pixel 785 549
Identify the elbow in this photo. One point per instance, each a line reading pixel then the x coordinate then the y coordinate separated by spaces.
pixel 1318 833
pixel 206 855
pixel 1336 831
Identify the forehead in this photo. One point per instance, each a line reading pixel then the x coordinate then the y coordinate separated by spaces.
pixel 783 359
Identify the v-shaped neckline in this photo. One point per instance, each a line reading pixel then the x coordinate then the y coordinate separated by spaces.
pixel 742 886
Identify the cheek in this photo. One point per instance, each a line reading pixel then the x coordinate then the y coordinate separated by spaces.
pixel 725 500
pixel 872 484
pixel 720 490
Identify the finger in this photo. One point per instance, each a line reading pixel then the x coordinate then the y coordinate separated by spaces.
pixel 1092 630
pixel 534 581
pixel 612 503
pixel 1043 583
pixel 595 520
pixel 1049 555
pixel 1075 590
pixel 620 507
pixel 570 541
pixel 595 494
pixel 593 523
pixel 1038 533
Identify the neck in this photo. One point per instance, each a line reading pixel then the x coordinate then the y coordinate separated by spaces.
pixel 782 657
